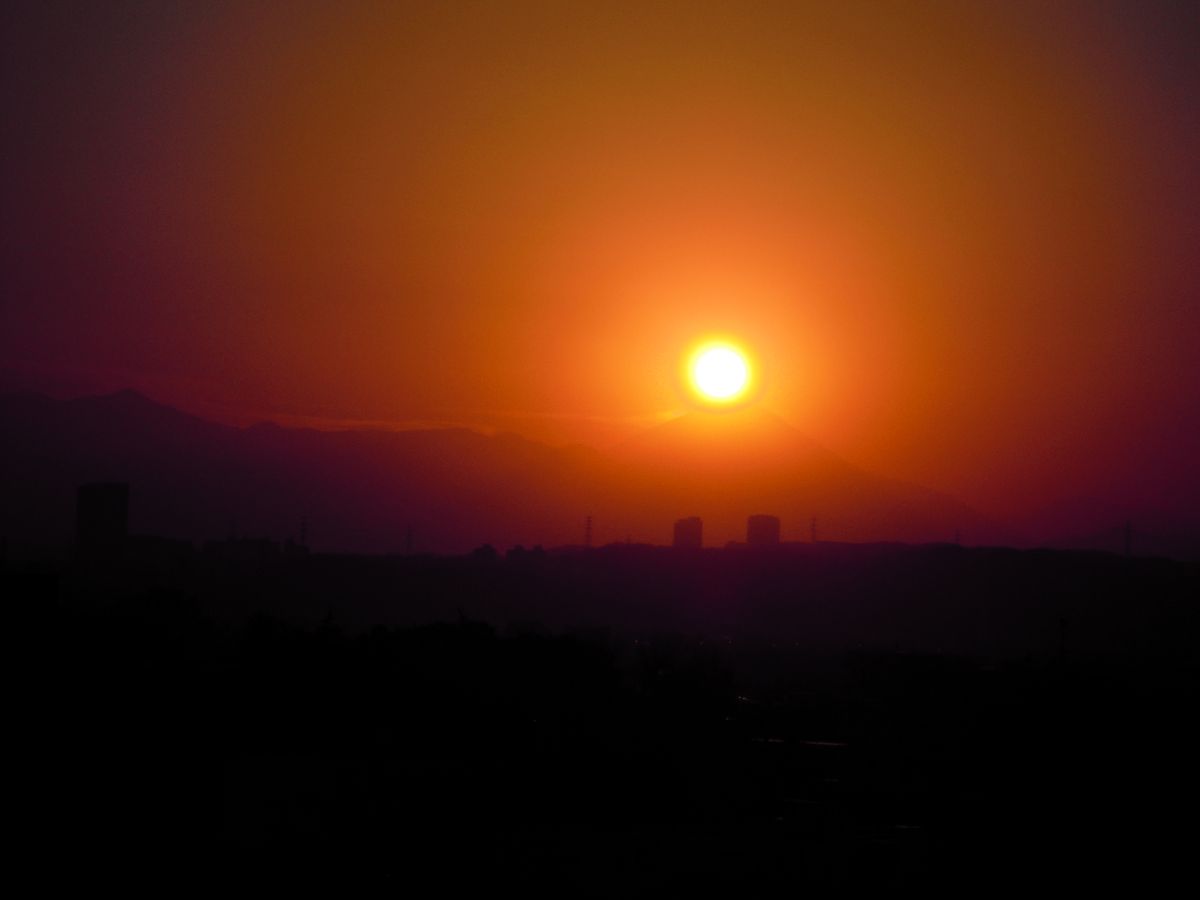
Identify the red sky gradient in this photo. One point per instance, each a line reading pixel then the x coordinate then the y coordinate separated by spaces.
pixel 961 239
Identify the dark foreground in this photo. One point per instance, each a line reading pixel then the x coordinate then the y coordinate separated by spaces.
pixel 625 722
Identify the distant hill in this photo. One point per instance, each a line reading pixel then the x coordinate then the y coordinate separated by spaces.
pixel 725 466
pixel 452 489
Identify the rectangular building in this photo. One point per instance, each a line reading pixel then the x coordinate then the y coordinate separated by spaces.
pixel 102 517
pixel 689 532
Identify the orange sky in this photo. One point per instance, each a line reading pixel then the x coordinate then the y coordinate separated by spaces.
pixel 961 239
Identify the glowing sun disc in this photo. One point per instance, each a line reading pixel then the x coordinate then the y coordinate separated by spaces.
pixel 720 373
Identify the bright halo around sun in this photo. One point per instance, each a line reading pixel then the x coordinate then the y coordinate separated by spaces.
pixel 719 373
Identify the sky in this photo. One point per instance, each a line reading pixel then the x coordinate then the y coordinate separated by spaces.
pixel 960 240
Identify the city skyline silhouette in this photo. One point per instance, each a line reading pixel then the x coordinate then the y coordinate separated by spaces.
pixel 601 449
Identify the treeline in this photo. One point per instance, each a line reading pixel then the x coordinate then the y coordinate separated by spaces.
pixel 157 741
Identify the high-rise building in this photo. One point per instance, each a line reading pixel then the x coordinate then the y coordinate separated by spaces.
pixel 762 531
pixel 689 532
pixel 102 517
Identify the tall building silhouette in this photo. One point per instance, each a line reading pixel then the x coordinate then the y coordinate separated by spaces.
pixel 102 517
pixel 689 532
pixel 762 531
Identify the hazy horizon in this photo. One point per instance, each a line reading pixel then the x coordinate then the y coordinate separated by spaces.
pixel 602 448
pixel 958 239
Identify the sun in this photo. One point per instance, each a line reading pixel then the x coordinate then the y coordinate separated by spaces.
pixel 719 373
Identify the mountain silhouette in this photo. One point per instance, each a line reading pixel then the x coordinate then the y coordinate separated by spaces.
pixel 450 489
pixel 728 464
pixel 738 440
